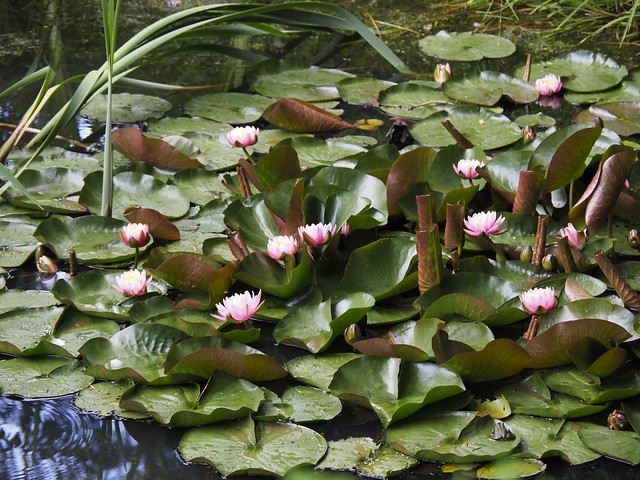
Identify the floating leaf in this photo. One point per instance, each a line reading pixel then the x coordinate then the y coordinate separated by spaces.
pixel 126 107
pixel 224 398
pixel 487 88
pixel 412 99
pixel 621 117
pixel 228 107
pixel 616 444
pixel 17 240
pixel 481 127
pixel 299 404
pixel 303 117
pixel 450 437
pixel 466 46
pixel 244 447
pixel 29 331
pixel 590 388
pixel 103 399
pixel 155 152
pixel 318 370
pixel 508 468
pixel 362 90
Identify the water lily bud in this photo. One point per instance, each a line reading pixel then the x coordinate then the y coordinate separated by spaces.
pixel 633 239
pixel 548 85
pixel 539 300
pixel 617 420
pixel 243 136
pixel 526 254
pixel 132 283
pixel 45 265
pixel 466 168
pixel 549 263
pixel 484 223
pixel 344 230
pixel 278 247
pixel 575 238
pixel 442 72
pixel 317 234
pixel 239 307
pixel 135 235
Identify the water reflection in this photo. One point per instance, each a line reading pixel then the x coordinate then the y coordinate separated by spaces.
pixel 51 439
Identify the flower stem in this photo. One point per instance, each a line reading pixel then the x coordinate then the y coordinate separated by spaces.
pixel 135 259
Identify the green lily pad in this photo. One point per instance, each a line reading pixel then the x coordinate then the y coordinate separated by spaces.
pixel 29 331
pixel 616 444
pixel 487 88
pixel 92 292
pixel 318 370
pixel 591 389
pixel 17 240
pixel 315 326
pixel 228 107
pixel 204 355
pixel 393 393
pixel 137 352
pixel 103 398
pixel 362 90
pixel 586 71
pixel 535 119
pixel 284 79
pixel 509 468
pixel 480 126
pixel 201 186
pixel 621 117
pixel 132 189
pixel 531 396
pixel 17 299
pixel 383 314
pixel 313 152
pixel 627 91
pixel 392 272
pixel 545 437
pixel 466 46
pixel 242 447
pixel 126 107
pixel 224 398
pixel 183 125
pixel 42 377
pixel 55 189
pixel 365 456
pixel 412 99
pixel 96 240
pixel 75 328
pixel 450 437
pixel 299 404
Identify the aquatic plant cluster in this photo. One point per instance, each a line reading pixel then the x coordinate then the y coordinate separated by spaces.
pixel 465 275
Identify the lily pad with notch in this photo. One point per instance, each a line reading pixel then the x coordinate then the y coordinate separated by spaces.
pixel 466 46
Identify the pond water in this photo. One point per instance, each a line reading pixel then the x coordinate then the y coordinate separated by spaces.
pixel 52 439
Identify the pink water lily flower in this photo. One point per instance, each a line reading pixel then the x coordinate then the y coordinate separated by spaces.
pixel 548 85
pixel 135 235
pixel 243 136
pixel 317 234
pixel 278 247
pixel 239 307
pixel 442 72
pixel 539 300
pixel 576 239
pixel 132 283
pixel 466 168
pixel 484 223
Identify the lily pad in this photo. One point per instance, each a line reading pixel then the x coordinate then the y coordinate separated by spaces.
pixel 126 107
pixel 586 71
pixel 487 88
pixel 132 189
pixel 318 370
pixel 17 299
pixel 224 398
pixel 228 107
pixel 94 239
pixel 450 437
pixel 42 377
pixel 362 90
pixel 621 117
pixel 480 126
pixel 393 393
pixel 591 389
pixel 138 353
pixel 17 240
pixel 508 468
pixel 299 404
pixel 616 444
pixel 412 99
pixel 92 292
pixel 284 79
pixel 242 447
pixel 55 189
pixel 75 328
pixel 103 399
pixel 29 332
pixel 466 46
